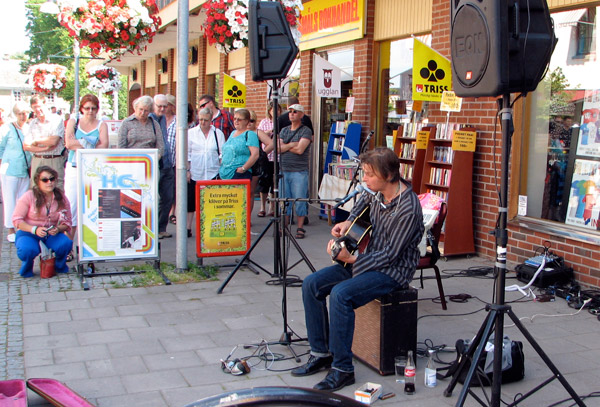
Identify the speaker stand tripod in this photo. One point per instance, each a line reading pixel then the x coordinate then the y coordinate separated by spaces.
pixel 495 317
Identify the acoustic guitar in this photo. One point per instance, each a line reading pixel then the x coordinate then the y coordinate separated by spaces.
pixel 356 237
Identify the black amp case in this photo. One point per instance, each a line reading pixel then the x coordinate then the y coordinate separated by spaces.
pixel 386 328
pixel 551 275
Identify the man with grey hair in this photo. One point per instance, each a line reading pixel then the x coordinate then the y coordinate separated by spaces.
pixel 167 171
pixel 45 139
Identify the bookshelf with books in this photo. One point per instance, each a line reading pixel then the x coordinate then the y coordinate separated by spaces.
pixel 344 142
pixel 449 174
pixel 410 155
pixel 339 169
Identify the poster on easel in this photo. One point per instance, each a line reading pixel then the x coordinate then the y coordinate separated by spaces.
pixel 117 204
pixel 222 218
pixel 584 203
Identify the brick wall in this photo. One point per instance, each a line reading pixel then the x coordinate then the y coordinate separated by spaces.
pixel 522 242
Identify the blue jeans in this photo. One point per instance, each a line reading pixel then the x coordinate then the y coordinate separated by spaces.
pixel 295 185
pixel 28 248
pixel 334 335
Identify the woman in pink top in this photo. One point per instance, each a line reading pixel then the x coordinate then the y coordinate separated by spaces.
pixel 43 214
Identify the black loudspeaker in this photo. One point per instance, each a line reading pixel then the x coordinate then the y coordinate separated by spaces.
pixel 386 328
pixel 270 42
pixel 499 46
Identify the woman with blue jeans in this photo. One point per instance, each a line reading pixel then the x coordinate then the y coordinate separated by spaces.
pixel 43 214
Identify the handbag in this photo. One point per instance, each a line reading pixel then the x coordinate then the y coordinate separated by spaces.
pixel 47 267
pixel 511 372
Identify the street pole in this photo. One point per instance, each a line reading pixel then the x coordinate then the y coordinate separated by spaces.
pixel 182 134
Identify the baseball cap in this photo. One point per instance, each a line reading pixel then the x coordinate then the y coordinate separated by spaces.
pixel 297 107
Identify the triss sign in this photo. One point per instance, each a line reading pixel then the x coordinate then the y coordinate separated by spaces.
pixel 432 73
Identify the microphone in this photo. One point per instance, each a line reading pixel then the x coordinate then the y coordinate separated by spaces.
pixel 359 189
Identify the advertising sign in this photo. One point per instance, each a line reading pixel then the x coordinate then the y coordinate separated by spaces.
pixel 117 204
pixel 583 209
pixel 327 22
pixel 328 78
pixel 432 74
pixel 222 218
pixel 234 92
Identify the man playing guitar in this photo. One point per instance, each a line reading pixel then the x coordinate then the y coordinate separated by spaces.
pixel 388 263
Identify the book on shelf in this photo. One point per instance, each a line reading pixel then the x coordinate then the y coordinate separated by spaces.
pixel 410 129
pixel 443 154
pixel 406 171
pixel 338 143
pixel 440 176
pixel 340 127
pixel 343 169
pixel 407 151
pixel 443 131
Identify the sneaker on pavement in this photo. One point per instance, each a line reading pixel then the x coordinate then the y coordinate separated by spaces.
pixel 162 235
pixel 11 237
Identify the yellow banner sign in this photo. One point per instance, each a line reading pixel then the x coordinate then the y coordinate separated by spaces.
pixel 464 140
pixel 234 92
pixel 223 217
pixel 450 102
pixel 432 74
pixel 422 139
pixel 327 22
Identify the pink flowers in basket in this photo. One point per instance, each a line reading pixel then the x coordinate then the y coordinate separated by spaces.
pixel 226 24
pixel 48 78
pixel 112 26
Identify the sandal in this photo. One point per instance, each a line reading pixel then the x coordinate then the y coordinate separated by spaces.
pixel 300 233
pixel 261 214
pixel 173 219
pixel 70 256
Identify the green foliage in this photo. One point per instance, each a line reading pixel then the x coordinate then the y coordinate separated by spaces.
pixel 148 276
pixel 559 96
pixel 123 98
pixel 49 40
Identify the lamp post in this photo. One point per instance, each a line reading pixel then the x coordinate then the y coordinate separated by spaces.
pixel 50 7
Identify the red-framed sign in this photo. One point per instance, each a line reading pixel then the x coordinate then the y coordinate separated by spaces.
pixel 222 218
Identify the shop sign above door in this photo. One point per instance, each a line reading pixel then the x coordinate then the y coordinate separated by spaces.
pixel 432 74
pixel 327 22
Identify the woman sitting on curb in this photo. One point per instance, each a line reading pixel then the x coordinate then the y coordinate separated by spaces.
pixel 43 214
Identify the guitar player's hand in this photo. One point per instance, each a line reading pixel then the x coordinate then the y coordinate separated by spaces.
pixel 344 255
pixel 340 229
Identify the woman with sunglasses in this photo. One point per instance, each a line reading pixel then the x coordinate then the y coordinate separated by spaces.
pixel 240 151
pixel 14 164
pixel 83 131
pixel 43 214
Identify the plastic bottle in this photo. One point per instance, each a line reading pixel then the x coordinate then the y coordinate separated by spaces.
pixel 430 371
pixel 410 372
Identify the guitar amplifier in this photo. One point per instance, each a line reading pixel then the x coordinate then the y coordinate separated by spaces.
pixel 386 328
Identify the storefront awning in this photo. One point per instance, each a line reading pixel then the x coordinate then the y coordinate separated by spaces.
pixel 568 18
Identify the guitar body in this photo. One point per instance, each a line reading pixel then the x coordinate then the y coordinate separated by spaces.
pixel 356 237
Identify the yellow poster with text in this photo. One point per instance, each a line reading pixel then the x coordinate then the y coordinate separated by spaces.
pixel 464 140
pixel 432 74
pixel 234 92
pixel 223 222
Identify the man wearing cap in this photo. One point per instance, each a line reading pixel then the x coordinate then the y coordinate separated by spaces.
pixel 167 171
pixel 294 141
pixel 45 139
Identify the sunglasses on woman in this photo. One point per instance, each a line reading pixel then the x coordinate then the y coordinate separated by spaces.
pixel 51 179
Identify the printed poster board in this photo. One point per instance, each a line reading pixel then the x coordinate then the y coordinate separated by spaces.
pixel 222 218
pixel 117 204
pixel 583 209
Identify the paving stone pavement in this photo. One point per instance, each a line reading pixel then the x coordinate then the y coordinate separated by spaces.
pixel 161 346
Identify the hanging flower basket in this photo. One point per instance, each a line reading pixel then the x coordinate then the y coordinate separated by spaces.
pixel 105 79
pixel 112 26
pixel 47 78
pixel 226 23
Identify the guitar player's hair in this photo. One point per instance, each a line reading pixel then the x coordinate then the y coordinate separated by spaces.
pixel 384 162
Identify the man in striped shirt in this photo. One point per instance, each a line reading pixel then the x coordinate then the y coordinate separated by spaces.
pixel 388 263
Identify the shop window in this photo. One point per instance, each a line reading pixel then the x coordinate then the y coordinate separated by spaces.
pixel 560 178
pixel 585 33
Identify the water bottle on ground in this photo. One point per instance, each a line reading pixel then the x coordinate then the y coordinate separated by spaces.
pixel 430 371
